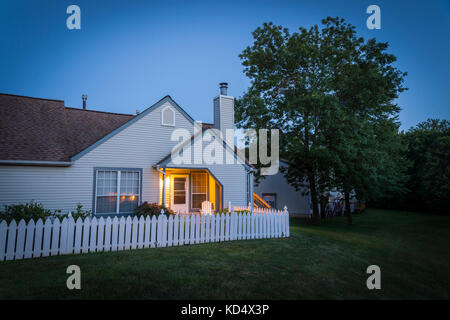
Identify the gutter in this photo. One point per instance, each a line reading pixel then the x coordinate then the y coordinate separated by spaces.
pixel 36 163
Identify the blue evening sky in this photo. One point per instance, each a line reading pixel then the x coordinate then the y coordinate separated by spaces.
pixel 129 54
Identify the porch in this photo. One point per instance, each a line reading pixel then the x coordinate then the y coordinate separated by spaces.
pixel 184 190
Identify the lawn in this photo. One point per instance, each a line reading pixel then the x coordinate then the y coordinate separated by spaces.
pixel 326 262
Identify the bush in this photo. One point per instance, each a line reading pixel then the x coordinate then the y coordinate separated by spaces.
pixel 150 209
pixel 37 211
pixel 78 213
pixel 26 212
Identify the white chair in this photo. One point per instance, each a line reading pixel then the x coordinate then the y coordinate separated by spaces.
pixel 207 207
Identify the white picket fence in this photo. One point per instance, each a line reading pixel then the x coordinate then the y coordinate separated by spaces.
pixel 50 238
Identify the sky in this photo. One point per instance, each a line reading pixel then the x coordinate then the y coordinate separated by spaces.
pixel 129 54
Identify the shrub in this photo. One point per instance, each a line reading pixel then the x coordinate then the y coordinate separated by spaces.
pixel 37 211
pixel 78 213
pixel 150 209
pixel 26 212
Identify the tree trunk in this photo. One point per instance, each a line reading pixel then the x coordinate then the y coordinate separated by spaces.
pixel 347 208
pixel 314 202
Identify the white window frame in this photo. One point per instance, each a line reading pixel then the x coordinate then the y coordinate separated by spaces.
pixel 162 116
pixel 119 194
pixel 192 189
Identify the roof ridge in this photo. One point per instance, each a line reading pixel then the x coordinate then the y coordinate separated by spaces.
pixel 20 96
pixel 117 113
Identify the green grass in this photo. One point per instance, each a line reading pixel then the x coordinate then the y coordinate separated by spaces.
pixel 325 262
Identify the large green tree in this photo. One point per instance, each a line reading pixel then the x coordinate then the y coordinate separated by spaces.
pixel 328 92
pixel 366 139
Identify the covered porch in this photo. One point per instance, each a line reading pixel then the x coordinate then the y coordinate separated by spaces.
pixel 185 190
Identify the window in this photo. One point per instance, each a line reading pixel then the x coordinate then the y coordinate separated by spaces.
pixel 117 191
pixel 179 190
pixel 271 199
pixel 168 117
pixel 199 189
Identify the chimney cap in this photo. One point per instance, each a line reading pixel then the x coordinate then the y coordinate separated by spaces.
pixel 223 88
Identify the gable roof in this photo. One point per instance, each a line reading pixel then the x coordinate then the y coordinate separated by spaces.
pixel 131 121
pixel 36 129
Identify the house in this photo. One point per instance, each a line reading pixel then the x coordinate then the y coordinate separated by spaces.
pixel 277 192
pixel 109 162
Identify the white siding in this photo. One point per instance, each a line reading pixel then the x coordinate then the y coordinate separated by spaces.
pixel 140 145
pixel 224 113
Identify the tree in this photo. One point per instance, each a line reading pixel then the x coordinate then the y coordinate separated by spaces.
pixel 428 150
pixel 291 91
pixel 318 87
pixel 366 85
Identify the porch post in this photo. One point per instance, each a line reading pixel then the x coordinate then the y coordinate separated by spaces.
pixel 164 188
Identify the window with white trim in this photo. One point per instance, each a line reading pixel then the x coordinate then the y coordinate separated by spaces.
pixel 168 116
pixel 117 191
pixel 199 189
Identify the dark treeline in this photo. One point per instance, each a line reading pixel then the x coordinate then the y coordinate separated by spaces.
pixel 426 158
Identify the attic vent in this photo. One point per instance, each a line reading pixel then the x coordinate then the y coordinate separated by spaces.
pixel 168 117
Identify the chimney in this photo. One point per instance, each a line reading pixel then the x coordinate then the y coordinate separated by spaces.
pixel 224 112
pixel 84 97
pixel 223 88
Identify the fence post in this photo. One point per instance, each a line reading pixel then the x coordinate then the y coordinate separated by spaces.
pixel 286 225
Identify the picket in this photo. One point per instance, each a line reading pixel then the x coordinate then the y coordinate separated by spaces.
pixel 54 250
pixel 164 231
pixel 217 231
pixel 197 222
pixel 109 232
pixel 47 238
pixel 202 228
pixel 20 243
pixel 210 228
pixel 3 234
pixel 93 235
pixel 192 230
pixel 86 235
pixel 35 239
pixel 153 233
pixel 175 230
pixel 181 233
pixel 134 233
pixel 101 235
pixel 12 231
pixel 248 233
pixel 127 241
pixel 70 239
pixel 141 224
pixel 78 235
pixel 170 232
pixel 29 242
pixel 121 239
pixel 147 232
pixel 232 220
pixel 227 227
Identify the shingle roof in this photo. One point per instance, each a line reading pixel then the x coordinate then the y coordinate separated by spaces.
pixel 45 130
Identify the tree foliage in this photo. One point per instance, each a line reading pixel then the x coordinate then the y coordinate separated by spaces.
pixel 331 95
pixel 427 152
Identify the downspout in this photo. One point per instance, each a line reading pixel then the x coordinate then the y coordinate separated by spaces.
pixel 250 183
pixel 164 184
